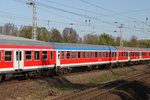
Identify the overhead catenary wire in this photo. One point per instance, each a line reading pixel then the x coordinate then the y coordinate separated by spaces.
pixel 85 16
pixel 108 10
pixel 85 10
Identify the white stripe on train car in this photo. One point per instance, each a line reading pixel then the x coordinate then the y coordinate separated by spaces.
pixel 84 64
pixel 6 69
pixel 145 58
pixel 36 67
pixel 123 60
pixel 134 59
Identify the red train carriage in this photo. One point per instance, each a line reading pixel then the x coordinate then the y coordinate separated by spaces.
pixel 132 54
pixel 76 55
pixel 145 54
pixel 24 54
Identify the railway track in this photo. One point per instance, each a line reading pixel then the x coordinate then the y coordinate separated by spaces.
pixel 101 91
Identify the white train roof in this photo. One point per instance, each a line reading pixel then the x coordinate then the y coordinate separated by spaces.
pixel 132 48
pixel 12 40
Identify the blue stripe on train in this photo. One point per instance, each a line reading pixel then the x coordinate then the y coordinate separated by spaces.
pixel 61 48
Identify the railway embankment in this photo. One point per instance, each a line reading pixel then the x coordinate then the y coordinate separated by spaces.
pixel 46 88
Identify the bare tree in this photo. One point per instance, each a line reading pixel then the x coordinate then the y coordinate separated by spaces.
pixel 70 35
pixel 10 29
pixel 55 35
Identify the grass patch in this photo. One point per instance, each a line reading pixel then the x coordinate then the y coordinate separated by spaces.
pixel 69 88
pixel 113 77
pixel 102 79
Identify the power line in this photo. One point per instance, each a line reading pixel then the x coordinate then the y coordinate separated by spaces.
pixel 108 10
pixel 81 15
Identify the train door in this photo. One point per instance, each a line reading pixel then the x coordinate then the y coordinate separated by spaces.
pixel 129 56
pixel 140 54
pixel 18 59
pixel 57 58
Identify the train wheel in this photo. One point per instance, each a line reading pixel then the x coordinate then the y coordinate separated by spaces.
pixel 32 75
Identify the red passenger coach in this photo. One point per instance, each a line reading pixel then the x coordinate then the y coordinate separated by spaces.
pixel 77 55
pixel 133 54
pixel 24 54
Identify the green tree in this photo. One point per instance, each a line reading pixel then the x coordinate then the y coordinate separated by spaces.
pixel 43 34
pixel 144 43
pixel 106 39
pixel 91 39
pixel 26 32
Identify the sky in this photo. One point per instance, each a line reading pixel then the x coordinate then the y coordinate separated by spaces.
pixel 85 16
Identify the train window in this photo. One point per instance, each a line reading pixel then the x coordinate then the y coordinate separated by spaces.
pixel 44 55
pixel 18 55
pixel 62 55
pixel 133 53
pixel 127 54
pixel 73 55
pixel 28 55
pixel 130 54
pixel 96 54
pixel 110 54
pixel 79 55
pixel 92 54
pixel 83 54
pixel 121 54
pixel 100 54
pixel 51 55
pixel 88 54
pixel 136 53
pixel 107 55
pixel 113 54
pixel 36 55
pixel 103 54
pixel 68 55
pixel 143 54
pixel 8 55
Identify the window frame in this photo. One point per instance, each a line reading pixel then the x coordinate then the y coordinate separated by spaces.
pixel 73 55
pixel 62 55
pixel 107 54
pixel 68 52
pixel 26 55
pixel 34 55
pixel 44 54
pixel 88 55
pixel 79 55
pixel 83 55
pixel 5 56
